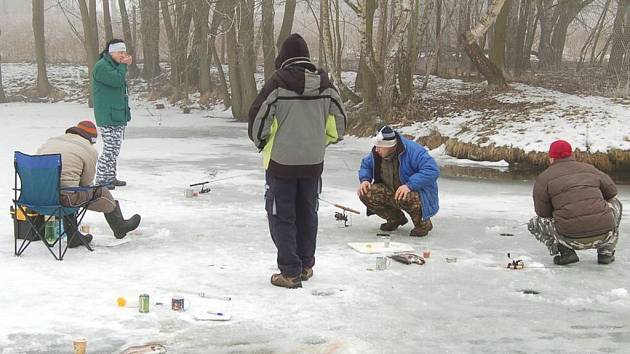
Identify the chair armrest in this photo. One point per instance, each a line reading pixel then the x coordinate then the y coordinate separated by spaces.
pixel 80 189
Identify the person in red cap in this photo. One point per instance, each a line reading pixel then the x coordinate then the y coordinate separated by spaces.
pixel 78 168
pixel 576 208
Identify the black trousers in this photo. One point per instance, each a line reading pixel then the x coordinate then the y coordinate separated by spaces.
pixel 291 204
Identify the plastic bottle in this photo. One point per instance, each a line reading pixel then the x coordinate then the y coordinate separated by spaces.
pixel 50 231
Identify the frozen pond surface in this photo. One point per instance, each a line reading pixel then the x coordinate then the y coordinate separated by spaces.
pixel 219 244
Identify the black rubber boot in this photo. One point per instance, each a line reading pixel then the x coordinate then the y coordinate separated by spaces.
pixel 605 259
pixel 119 183
pixel 567 256
pixel 119 225
pixel 391 226
pixel 71 230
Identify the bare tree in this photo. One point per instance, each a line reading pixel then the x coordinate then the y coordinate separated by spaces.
pixel 90 36
pixel 129 42
pixel 202 14
pixel 150 31
pixel 401 21
pixel 619 63
pixel 107 21
pixel 287 22
pixel 486 67
pixel 43 87
pixel 3 97
pixel 333 55
pixel 269 49
pixel 497 53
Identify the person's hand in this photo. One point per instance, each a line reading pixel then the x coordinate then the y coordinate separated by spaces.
pixel 401 192
pixel 363 188
pixel 128 59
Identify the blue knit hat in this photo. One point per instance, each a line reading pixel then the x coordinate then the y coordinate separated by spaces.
pixel 385 137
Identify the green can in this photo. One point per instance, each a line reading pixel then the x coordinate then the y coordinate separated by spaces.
pixel 143 303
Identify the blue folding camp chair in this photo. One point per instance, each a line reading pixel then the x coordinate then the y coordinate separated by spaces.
pixel 39 190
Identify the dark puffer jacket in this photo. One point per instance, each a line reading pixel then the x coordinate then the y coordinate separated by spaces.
pixel 575 195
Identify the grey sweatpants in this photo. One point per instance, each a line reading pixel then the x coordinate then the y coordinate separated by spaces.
pixel 544 230
pixel 112 140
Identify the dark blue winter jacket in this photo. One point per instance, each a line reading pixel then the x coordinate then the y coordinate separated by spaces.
pixel 417 169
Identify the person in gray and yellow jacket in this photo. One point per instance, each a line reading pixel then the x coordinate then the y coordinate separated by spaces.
pixel 78 168
pixel 296 115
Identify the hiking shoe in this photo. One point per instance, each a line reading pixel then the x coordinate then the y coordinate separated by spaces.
pixel 605 259
pixel 76 242
pixel 118 183
pixel 306 274
pixel 111 187
pixel 422 230
pixel 567 256
pixel 393 225
pixel 286 282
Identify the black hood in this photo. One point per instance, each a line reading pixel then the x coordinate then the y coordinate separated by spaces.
pixel 294 47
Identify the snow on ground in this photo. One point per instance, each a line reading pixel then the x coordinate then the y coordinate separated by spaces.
pixel 219 244
pixel 539 116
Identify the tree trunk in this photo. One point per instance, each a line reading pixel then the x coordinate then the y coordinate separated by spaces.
pixel 269 49
pixel 171 41
pixel 202 14
pixel 497 54
pixel 287 22
pixel 381 34
pixel 3 97
pixel 107 21
pixel 90 42
pixel 402 11
pixel 113 8
pixel 233 59
pixel 218 17
pixel 94 20
pixel 620 41
pixel 438 36
pixel 367 71
pixel 568 11
pixel 246 38
pixel 600 27
pixel 408 59
pixel 333 69
pixel 532 27
pixel 43 87
pixel 486 67
pixel 129 42
pixel 150 32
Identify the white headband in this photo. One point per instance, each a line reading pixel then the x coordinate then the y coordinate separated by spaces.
pixel 117 47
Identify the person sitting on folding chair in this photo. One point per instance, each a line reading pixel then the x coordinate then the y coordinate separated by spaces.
pixel 78 167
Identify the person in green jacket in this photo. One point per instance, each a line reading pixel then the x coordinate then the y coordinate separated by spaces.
pixel 111 108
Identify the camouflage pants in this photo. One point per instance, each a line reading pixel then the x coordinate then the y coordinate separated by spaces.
pixel 112 140
pixel 380 201
pixel 544 230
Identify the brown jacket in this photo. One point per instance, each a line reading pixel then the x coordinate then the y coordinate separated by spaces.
pixel 78 159
pixel 575 195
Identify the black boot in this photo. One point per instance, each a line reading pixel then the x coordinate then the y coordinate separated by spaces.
pixel 567 256
pixel 119 225
pixel 605 259
pixel 118 183
pixel 71 230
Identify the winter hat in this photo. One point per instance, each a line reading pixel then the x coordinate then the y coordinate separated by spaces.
pixel 385 137
pixel 117 47
pixel 86 129
pixel 293 49
pixel 560 149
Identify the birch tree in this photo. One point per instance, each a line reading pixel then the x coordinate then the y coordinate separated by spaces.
pixel 469 40
pixel 42 88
